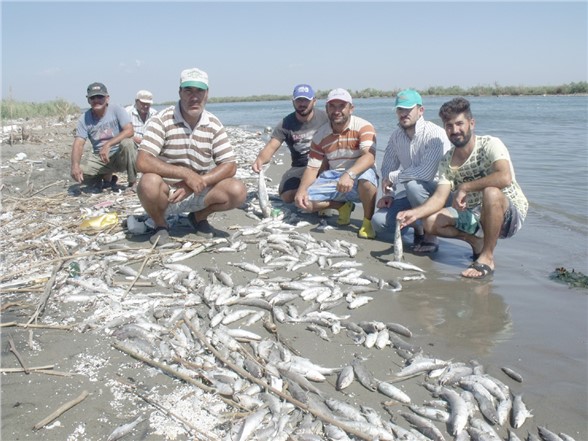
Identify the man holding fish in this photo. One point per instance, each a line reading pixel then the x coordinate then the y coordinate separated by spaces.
pixel 409 168
pixel 297 130
pixel 348 144
pixel 488 203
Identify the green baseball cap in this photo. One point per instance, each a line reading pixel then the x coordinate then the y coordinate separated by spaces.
pixel 407 99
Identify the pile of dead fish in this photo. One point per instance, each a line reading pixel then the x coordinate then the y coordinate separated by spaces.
pixel 222 325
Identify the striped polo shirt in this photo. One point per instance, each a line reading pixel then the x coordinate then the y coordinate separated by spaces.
pixel 342 149
pixel 170 138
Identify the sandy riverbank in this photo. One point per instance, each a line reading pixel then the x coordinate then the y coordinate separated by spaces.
pixel 450 318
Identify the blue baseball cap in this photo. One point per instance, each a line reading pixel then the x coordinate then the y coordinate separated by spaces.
pixel 303 91
pixel 407 99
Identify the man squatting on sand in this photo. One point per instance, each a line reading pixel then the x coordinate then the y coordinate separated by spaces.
pixel 348 143
pixel 488 204
pixel 409 169
pixel 110 131
pixel 187 161
pixel 297 130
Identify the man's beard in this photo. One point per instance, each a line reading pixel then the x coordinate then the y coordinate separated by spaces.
pixel 462 143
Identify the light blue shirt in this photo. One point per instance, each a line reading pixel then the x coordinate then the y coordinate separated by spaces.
pixel 99 131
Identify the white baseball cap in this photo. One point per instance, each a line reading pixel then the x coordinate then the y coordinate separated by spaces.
pixel 144 96
pixel 339 94
pixel 194 78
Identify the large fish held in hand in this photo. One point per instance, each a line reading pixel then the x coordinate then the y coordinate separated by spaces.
pixel 398 260
pixel 264 203
pixel 398 250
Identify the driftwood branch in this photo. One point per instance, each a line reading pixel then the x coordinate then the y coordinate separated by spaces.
pixel 12 348
pixel 48 288
pixel 173 372
pixel 147 257
pixel 62 409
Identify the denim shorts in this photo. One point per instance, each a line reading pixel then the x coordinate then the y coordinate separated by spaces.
pixel 325 186
pixel 468 221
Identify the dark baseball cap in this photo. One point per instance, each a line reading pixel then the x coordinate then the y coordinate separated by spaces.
pixel 96 89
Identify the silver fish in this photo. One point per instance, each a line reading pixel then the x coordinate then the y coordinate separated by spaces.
pixel 121 431
pixel 459 411
pixel 519 412
pixel 345 377
pixel 512 374
pixel 393 392
pixel 264 203
pixel 404 266
pixel 398 251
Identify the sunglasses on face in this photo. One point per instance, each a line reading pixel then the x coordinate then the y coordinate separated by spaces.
pixel 97 97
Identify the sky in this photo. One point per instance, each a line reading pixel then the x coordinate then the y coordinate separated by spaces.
pixel 54 50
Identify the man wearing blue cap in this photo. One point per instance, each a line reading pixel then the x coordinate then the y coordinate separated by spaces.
pixel 409 168
pixel 297 130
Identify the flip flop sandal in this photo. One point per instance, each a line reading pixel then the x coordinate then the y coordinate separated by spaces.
pixel 481 268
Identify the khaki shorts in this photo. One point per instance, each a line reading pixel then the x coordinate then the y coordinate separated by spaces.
pixel 124 160
pixel 291 179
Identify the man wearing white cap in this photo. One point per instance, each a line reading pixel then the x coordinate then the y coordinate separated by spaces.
pixel 409 169
pixel 348 144
pixel 188 163
pixel 140 112
pixel 297 130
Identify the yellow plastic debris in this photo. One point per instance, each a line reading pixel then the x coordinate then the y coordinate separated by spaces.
pixel 100 222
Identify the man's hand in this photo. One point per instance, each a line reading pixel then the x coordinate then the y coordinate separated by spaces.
pixel 387 186
pixel 301 200
pixel 405 218
pixel 181 192
pixel 195 183
pixel 104 153
pixel 257 165
pixel 345 183
pixel 385 202
pixel 459 199
pixel 77 174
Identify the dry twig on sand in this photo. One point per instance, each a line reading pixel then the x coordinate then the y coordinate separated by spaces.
pixel 62 409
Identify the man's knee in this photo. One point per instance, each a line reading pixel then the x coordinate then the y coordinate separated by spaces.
pixel 416 192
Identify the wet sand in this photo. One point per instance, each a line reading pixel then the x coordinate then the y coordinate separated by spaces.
pixel 519 318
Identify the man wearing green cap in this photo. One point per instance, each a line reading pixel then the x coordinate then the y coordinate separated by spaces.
pixel 188 163
pixel 409 168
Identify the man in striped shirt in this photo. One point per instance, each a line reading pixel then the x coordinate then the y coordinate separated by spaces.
pixel 187 161
pixel 409 169
pixel 348 145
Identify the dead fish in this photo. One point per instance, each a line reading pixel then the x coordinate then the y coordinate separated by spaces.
pixel 458 411
pixel 393 392
pixel 512 374
pixel 345 377
pixel 519 412
pixel 399 329
pixel 264 203
pixel 404 266
pixel 123 430
pixel 398 250
pixel 364 376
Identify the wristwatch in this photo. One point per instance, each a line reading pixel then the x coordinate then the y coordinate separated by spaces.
pixel 351 174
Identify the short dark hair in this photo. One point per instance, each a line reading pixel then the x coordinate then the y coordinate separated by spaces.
pixel 455 107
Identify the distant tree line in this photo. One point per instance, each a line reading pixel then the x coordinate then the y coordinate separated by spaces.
pixel 60 108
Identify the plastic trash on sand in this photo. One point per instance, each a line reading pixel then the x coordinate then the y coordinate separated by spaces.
pixel 99 222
